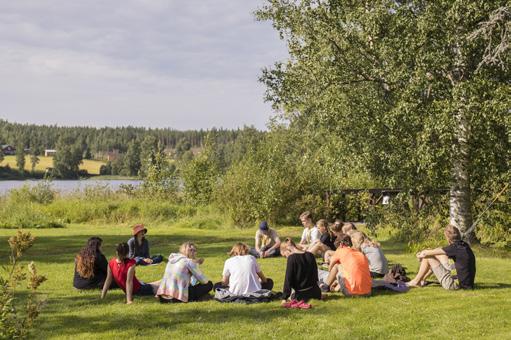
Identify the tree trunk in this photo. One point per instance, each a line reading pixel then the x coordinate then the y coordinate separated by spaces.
pixel 460 197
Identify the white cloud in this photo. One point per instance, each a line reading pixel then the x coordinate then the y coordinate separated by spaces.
pixel 183 64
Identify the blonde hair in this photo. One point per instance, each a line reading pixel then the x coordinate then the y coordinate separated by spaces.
pixel 357 238
pixel 346 227
pixel 239 249
pixel 185 246
pixel 306 214
pixel 452 233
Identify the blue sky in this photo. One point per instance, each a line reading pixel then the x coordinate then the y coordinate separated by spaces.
pixel 181 64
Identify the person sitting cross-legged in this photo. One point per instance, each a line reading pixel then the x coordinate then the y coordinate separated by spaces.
pixel 242 274
pixel 267 242
pixel 436 261
pixel 351 270
pixel 139 247
pixel 183 268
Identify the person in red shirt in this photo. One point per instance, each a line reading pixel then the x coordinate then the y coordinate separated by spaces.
pixel 351 269
pixel 122 270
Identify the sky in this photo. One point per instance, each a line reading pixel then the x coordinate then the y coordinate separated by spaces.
pixel 156 63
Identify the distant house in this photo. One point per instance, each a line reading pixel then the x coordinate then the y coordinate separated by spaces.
pixel 49 152
pixel 8 150
pixel 112 155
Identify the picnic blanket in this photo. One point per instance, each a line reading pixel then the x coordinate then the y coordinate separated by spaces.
pixel 262 295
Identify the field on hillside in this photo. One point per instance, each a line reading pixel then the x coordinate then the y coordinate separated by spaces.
pixel 429 312
pixel 91 166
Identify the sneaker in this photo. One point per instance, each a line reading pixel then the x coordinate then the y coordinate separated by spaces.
pixel 289 304
pixel 301 305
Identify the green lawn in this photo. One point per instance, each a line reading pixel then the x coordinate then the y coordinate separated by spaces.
pixel 429 312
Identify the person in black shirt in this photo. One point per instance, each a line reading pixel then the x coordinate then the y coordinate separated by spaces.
pixel 139 247
pixel 301 280
pixel 90 266
pixel 436 261
pixel 325 242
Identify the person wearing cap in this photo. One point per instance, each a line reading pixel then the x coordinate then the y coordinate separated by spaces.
pixel 267 242
pixel 139 247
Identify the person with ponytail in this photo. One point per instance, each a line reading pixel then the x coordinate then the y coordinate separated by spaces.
pixel 122 270
pixel 90 266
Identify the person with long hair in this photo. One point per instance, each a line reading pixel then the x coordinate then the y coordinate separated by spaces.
pixel 139 247
pixel 122 269
pixel 378 264
pixel 310 232
pixel 90 266
pixel 301 279
pixel 242 274
pixel 436 261
pixel 176 284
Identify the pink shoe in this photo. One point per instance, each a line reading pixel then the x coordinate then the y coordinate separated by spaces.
pixel 301 305
pixel 289 304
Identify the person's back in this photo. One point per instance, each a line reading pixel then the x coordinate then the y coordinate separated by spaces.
pixel 304 271
pixel 464 262
pixel 355 270
pixel 378 263
pixel 242 271
pixel 120 273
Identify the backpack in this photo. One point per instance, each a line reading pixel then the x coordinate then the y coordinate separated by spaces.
pixel 396 273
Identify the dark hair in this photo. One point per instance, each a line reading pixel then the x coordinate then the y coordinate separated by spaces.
pixel 122 251
pixel 345 241
pixel 86 258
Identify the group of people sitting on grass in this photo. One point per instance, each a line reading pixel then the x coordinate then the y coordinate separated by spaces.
pixel 353 263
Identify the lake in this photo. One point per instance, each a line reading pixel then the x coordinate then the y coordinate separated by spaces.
pixel 65 186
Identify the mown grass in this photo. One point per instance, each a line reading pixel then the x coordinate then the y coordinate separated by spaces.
pixel 91 166
pixel 429 312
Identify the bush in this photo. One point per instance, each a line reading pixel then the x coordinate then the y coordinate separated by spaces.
pixel 17 322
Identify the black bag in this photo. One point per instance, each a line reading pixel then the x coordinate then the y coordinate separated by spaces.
pixel 396 273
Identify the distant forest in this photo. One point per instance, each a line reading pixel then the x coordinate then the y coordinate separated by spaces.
pixel 101 140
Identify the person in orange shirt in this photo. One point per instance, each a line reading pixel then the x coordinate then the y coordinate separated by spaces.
pixel 351 269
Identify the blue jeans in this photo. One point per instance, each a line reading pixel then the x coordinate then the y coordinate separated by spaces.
pixel 156 259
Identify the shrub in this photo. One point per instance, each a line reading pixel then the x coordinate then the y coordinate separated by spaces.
pixel 16 322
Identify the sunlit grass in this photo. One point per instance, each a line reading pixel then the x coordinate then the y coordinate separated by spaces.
pixel 429 312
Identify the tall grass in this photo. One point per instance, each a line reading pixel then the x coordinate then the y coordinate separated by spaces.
pixel 41 207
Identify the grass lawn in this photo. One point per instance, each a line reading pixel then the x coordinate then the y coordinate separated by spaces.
pixel 429 312
pixel 91 166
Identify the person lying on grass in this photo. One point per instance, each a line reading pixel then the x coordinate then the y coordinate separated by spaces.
pixel 175 286
pixel 378 264
pixel 326 240
pixel 139 247
pixel 310 232
pixel 122 270
pixel 91 266
pixel 351 270
pixel 267 242
pixel 301 280
pixel 242 274
pixel 436 261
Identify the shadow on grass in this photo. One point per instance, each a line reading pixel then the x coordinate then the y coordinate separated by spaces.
pixel 499 285
pixel 62 249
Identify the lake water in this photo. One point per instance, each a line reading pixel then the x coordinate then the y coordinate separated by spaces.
pixel 65 186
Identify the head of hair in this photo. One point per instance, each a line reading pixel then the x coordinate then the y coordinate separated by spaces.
pixel 345 241
pixel 87 256
pixel 122 250
pixel 357 238
pixel 306 215
pixel 287 245
pixel 336 227
pixel 239 249
pixel 183 249
pixel 347 226
pixel 452 233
